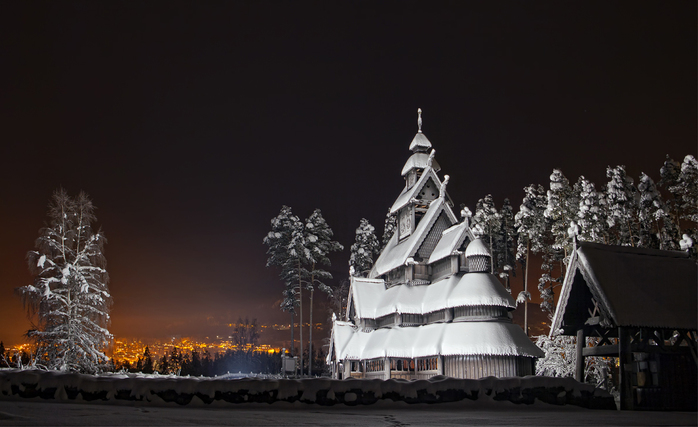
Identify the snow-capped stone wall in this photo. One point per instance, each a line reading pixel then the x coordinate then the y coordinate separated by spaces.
pixel 164 390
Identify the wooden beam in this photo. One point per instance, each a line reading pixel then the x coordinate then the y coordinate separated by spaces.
pixel 601 350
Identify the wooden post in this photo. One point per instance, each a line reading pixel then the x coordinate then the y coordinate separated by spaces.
pixel 581 341
pixel 625 369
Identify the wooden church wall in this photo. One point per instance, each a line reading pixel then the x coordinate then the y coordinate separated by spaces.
pixel 474 367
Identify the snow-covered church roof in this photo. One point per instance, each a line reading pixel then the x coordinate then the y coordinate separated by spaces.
pixel 409 193
pixel 370 299
pixel 437 339
pixel 476 248
pixel 451 239
pixel 396 253
pixel 419 161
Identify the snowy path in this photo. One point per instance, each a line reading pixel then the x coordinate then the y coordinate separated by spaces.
pixel 13 413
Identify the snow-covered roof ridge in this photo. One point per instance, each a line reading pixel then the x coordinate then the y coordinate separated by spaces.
pixel 441 339
pixel 451 239
pixel 396 253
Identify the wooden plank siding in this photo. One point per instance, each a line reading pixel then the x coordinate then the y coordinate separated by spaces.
pixel 474 367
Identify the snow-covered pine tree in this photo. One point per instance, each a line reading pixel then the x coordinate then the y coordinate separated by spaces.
pixel 591 215
pixel 657 229
pixel 69 298
pixel 339 300
pixel 669 173
pixel 621 205
pixel 687 187
pixel 506 243
pixel 278 240
pixel 530 227
pixel 486 223
pixel 562 207
pixel 364 249
pixel 388 229
pixel 319 244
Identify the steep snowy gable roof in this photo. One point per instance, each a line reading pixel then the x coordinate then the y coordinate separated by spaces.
pixel 452 238
pixel 364 295
pixel 442 339
pixel 412 192
pixel 396 253
pixel 420 142
pixel 419 161
pixel 634 286
pixel 342 332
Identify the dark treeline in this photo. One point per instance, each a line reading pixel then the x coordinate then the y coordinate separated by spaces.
pixel 194 363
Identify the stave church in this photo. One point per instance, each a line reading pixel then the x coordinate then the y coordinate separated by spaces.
pixel 430 305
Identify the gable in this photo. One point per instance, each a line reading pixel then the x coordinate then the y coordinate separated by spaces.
pixel 415 192
pixel 434 236
pixel 396 252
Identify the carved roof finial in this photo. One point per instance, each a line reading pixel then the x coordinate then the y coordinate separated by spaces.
pixel 419 119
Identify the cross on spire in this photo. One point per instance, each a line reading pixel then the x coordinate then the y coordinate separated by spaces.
pixel 419 119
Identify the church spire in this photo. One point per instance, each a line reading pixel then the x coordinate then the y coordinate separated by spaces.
pixel 420 143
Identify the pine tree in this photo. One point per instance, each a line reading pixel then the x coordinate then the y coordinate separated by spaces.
pixel 363 250
pixel 70 297
pixel 147 361
pixel 657 229
pixel 561 210
pixel 388 229
pixel 163 365
pixel 530 226
pixel 246 334
pixel 279 240
pixel 319 245
pixel 487 223
pixel 3 356
pixel 621 205
pixel 687 189
pixel 591 215
pixel 506 243
pixel 669 173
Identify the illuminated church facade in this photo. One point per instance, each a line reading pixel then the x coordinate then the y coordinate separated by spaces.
pixel 430 305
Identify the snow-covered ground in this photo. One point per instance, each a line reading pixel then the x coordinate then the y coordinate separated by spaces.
pixel 41 413
pixel 61 399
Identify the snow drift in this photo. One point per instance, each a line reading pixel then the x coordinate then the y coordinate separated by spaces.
pixel 163 390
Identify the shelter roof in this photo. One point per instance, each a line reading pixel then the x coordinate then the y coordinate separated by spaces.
pixel 397 252
pixel 634 287
pixel 440 339
pixel 451 239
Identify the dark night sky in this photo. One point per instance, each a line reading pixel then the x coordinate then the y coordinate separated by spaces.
pixel 190 125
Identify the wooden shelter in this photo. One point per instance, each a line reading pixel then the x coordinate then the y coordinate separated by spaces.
pixel 641 305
